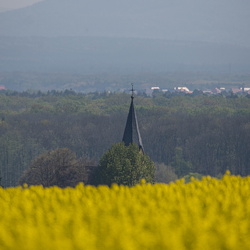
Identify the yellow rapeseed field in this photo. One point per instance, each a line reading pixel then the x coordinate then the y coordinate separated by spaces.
pixel 207 214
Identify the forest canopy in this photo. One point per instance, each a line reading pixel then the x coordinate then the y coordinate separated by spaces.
pixel 208 134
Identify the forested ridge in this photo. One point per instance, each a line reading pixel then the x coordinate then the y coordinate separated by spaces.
pixel 203 134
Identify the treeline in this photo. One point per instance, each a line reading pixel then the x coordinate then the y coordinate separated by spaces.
pixel 202 134
pixel 22 81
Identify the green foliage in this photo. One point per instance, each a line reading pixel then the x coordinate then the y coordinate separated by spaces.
pixel 181 166
pixel 125 165
pixel 212 132
pixel 109 103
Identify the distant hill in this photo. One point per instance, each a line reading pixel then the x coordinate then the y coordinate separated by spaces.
pixel 224 21
pixel 91 36
pixel 121 55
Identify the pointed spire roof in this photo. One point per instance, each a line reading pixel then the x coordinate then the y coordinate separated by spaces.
pixel 131 132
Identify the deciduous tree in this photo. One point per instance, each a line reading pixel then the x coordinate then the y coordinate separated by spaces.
pixel 125 165
pixel 58 167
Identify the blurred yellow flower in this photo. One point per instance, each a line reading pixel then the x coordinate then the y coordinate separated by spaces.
pixel 202 214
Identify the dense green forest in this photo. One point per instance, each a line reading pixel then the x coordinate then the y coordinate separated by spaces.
pixel 202 134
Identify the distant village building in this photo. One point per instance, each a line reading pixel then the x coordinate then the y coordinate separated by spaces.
pixel 207 92
pixel 151 90
pixel 2 87
pixel 217 90
pixel 245 89
pixel 164 90
pixel 235 90
pixel 131 132
pixel 155 88
pixel 213 91
pixel 182 89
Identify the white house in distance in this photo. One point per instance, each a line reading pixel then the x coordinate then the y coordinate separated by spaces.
pixel 155 88
pixel 182 89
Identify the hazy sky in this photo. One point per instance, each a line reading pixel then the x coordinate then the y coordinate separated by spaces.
pixel 15 4
pixel 219 21
pixel 188 32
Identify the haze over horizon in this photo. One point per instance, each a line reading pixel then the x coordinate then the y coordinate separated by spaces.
pixel 220 21
pixel 180 32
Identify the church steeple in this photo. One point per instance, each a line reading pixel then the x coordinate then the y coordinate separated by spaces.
pixel 131 132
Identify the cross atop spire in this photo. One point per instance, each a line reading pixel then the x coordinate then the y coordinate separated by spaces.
pixel 131 132
pixel 132 95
